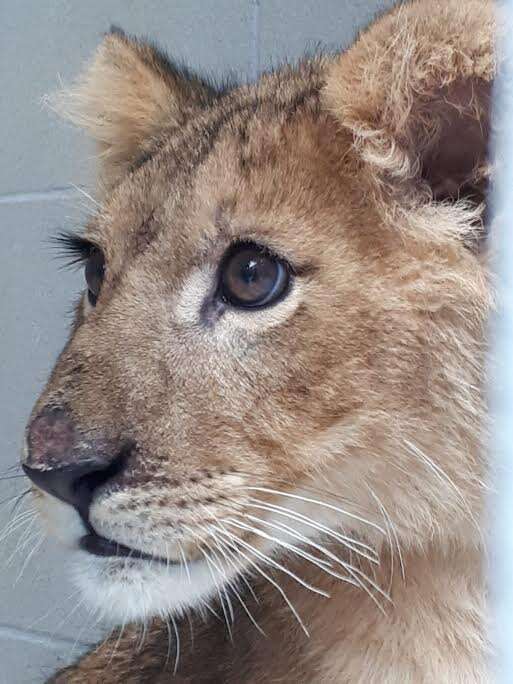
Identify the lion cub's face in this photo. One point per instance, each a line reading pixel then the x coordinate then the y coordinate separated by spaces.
pixel 273 343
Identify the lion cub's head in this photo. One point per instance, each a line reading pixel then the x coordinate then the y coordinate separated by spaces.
pixel 281 335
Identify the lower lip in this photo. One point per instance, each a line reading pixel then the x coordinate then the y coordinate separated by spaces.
pixel 100 546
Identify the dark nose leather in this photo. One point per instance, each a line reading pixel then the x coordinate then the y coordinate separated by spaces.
pixel 64 464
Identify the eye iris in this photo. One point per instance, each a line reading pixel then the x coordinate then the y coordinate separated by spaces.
pixel 251 277
pixel 94 272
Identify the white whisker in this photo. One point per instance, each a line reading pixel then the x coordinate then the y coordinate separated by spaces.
pixel 177 638
pixel 86 194
pixel 267 490
pixel 443 477
pixel 357 579
pixel 294 549
pixel 234 588
pixel 393 530
pixel 315 545
pixel 29 556
pixel 269 561
pixel 272 582
pixel 209 563
pixel 350 543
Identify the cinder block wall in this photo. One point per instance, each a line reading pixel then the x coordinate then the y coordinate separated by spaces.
pixel 42 623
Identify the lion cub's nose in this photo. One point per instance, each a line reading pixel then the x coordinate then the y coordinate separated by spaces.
pixel 64 464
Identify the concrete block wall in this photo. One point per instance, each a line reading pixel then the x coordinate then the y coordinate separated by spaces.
pixel 42 623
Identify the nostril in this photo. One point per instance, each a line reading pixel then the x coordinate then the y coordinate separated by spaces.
pixel 66 483
pixel 76 484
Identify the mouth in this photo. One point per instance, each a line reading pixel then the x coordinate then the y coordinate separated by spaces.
pixel 101 546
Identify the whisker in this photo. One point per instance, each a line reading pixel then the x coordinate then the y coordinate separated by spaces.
pixel 359 576
pixel 272 582
pixel 86 195
pixel 221 601
pixel 315 545
pixel 223 577
pixel 209 565
pixel 233 587
pixel 16 496
pixel 20 500
pixel 308 487
pixel 168 654
pixel 356 579
pixel 443 477
pixel 13 525
pixel 269 561
pixel 184 562
pixel 29 556
pixel 73 610
pixel 218 541
pixel 191 630
pixel 10 469
pixel 144 630
pixel 52 609
pixel 323 565
pixel 93 616
pixel 348 542
pixel 221 545
pixel 393 530
pixel 267 490
pixel 177 641
pixel 118 640
pixel 27 536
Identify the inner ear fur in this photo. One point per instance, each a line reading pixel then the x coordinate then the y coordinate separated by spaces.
pixel 415 92
pixel 129 93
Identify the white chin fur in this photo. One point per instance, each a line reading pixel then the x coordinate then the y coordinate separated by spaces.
pixel 123 590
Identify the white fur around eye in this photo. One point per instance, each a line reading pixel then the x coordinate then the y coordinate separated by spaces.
pixel 199 286
pixel 192 295
pixel 272 316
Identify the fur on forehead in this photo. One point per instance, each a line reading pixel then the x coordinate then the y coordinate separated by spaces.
pixel 414 91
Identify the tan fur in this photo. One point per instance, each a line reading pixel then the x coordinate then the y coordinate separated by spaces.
pixel 128 95
pixel 361 391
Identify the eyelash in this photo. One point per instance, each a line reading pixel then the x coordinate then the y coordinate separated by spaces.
pixel 72 248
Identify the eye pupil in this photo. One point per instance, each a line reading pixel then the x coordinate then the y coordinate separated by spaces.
pixel 249 272
pixel 251 277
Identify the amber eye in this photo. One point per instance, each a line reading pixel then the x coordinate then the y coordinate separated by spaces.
pixel 94 271
pixel 252 277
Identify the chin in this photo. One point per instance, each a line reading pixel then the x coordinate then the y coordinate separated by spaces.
pixel 122 590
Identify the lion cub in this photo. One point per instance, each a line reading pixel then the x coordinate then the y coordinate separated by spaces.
pixel 264 437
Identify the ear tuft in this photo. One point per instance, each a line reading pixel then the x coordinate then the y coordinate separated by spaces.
pixel 127 95
pixel 414 91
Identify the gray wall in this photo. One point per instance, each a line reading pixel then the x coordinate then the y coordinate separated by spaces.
pixel 42 624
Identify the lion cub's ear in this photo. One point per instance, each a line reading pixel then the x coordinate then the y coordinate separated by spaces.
pixel 415 91
pixel 128 93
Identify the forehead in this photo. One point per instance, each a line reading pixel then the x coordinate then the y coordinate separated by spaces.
pixel 264 163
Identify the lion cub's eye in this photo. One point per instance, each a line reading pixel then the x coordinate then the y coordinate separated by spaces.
pixel 252 277
pixel 94 272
